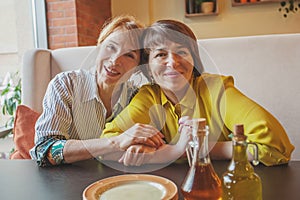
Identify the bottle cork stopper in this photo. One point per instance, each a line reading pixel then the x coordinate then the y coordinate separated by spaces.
pixel 199 122
pixel 238 130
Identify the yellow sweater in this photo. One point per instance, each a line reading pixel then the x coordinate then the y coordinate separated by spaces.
pixel 215 98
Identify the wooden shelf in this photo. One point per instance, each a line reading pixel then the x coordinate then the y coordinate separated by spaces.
pixel 237 3
pixel 199 14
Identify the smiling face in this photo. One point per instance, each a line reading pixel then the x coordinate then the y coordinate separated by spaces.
pixel 117 57
pixel 171 65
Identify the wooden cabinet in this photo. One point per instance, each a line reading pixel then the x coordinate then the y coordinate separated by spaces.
pixel 192 9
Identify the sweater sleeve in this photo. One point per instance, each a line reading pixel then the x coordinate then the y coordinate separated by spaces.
pixel 261 127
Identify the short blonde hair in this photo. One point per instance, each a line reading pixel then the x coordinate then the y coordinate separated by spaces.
pixel 126 22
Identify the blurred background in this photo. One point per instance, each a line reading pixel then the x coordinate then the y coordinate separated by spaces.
pixel 52 24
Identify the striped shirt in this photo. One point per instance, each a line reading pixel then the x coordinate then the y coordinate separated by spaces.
pixel 72 109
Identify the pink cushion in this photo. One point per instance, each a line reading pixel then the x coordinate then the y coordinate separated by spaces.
pixel 23 132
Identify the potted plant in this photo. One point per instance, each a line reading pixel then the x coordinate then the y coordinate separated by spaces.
pixel 205 6
pixel 289 6
pixel 10 97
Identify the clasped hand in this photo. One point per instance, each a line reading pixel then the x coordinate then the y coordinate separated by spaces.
pixel 144 149
pixel 140 134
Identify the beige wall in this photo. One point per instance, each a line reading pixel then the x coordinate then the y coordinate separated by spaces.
pixel 16 35
pixel 231 21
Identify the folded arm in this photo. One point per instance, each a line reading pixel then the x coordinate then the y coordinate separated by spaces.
pixel 261 127
pixel 141 154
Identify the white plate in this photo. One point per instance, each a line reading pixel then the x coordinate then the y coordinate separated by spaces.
pixel 132 186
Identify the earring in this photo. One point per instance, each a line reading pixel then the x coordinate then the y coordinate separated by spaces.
pixel 150 76
pixel 152 80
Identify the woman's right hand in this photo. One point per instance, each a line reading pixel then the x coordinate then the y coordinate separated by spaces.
pixel 137 155
pixel 185 131
pixel 140 134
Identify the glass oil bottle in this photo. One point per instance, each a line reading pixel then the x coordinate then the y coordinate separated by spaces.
pixel 201 181
pixel 240 181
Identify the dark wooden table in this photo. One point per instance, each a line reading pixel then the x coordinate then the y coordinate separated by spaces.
pixel 23 179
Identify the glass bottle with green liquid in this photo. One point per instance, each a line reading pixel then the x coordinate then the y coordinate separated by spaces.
pixel 240 181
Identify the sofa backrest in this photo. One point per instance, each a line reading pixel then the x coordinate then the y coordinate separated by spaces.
pixel 41 65
pixel 265 68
